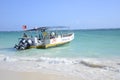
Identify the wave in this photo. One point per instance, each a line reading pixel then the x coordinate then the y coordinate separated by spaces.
pixel 96 64
pixel 84 62
pixel 93 64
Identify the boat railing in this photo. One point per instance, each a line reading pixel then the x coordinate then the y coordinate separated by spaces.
pixel 67 35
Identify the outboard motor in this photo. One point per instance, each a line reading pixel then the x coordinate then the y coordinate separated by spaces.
pixel 24 44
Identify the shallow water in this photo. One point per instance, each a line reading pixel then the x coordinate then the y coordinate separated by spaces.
pixel 87 43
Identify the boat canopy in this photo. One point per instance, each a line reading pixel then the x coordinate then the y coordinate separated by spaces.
pixel 42 29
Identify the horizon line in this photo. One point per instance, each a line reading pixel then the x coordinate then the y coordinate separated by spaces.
pixel 69 29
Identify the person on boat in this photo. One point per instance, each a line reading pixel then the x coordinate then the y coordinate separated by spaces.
pixel 25 35
pixel 44 35
pixel 52 35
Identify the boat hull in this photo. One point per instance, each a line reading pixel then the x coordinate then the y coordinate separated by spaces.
pixel 57 41
pixel 51 45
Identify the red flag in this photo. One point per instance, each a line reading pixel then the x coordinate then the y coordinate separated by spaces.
pixel 24 27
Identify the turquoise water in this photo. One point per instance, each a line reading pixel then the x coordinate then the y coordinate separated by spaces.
pixel 87 43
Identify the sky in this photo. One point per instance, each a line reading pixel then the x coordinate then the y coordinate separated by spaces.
pixel 78 14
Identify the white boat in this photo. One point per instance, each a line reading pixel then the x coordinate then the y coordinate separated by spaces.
pixel 46 38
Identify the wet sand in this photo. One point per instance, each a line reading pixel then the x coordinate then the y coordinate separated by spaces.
pixel 12 75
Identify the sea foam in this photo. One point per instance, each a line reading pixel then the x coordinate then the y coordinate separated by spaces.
pixel 45 62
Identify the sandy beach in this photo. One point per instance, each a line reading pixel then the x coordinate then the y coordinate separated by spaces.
pixel 12 75
pixel 58 69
